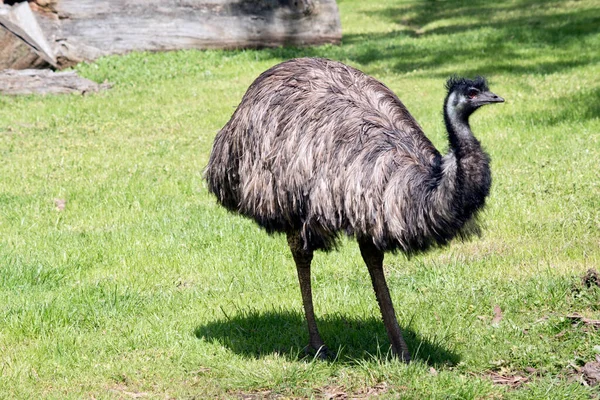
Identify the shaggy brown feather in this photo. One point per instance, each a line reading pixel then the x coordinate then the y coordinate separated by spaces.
pixel 319 147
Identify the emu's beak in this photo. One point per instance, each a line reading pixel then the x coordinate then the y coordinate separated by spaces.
pixel 489 98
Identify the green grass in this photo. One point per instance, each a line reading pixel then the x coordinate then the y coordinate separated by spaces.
pixel 144 287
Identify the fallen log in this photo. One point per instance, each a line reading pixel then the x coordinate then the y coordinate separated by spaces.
pixel 44 81
pixel 83 30
pixel 22 42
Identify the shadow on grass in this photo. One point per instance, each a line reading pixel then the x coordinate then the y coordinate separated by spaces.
pixel 256 334
pixel 524 21
pixel 438 38
pixel 580 106
pixel 484 37
pixel 584 104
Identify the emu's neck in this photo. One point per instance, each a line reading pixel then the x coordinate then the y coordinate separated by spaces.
pixel 460 135
pixel 466 172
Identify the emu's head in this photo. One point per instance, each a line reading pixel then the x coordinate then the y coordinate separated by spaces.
pixel 467 95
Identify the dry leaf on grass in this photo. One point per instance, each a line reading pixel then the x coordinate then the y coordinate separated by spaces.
pixel 497 315
pixel 334 393
pixel 339 392
pixel 511 380
pixel 258 395
pixel 576 317
pixel 60 204
pixel 122 389
pixel 201 370
pixel 532 371
pixel 591 372
pixel 376 390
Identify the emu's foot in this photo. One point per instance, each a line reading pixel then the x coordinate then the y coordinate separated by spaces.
pixel 402 355
pixel 322 353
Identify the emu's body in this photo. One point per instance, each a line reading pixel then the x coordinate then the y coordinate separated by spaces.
pixel 317 148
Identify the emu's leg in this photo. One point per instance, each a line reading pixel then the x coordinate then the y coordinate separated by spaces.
pixel 303 259
pixel 374 260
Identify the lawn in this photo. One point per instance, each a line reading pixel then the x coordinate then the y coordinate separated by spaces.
pixel 120 276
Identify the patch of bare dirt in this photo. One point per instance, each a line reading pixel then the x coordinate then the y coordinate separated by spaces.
pixel 340 393
pixel 262 395
pixel 512 380
pixel 125 392
pixel 334 393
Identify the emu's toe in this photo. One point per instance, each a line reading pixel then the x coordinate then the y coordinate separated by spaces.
pixel 322 353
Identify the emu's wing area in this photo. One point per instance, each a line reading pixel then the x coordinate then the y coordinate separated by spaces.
pixel 312 147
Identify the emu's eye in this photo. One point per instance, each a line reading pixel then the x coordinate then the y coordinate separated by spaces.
pixel 472 93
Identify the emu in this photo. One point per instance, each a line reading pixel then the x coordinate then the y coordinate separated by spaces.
pixel 317 148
